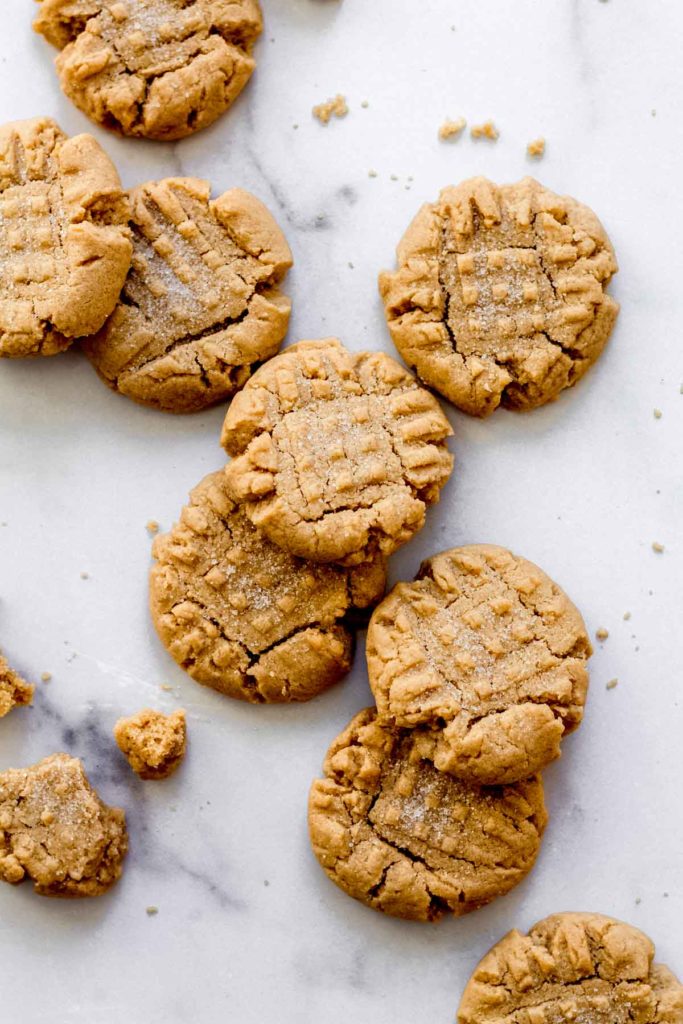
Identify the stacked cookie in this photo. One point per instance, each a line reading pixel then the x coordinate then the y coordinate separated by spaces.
pixel 174 296
pixel 433 801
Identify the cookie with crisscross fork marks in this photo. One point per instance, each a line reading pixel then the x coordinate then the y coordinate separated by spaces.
pixel 486 652
pixel 338 454
pixel 579 968
pixel 499 296
pixel 201 303
pixel 161 69
pixel 64 241
pixel 243 616
pixel 394 832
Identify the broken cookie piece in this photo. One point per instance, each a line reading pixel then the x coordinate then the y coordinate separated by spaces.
pixel 55 830
pixel 14 691
pixel 153 743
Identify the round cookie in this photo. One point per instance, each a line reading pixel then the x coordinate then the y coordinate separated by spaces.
pixel 337 454
pixel 242 616
pixel 411 841
pixel 584 968
pixel 499 296
pixel 55 830
pixel 153 68
pixel 64 239
pixel 486 652
pixel 201 303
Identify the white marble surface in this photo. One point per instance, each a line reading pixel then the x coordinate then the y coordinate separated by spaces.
pixel 249 929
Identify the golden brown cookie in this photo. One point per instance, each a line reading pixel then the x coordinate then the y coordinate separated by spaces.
pixel 582 968
pixel 14 691
pixel 153 743
pixel 499 296
pixel 488 653
pixel 414 842
pixel 161 69
pixel 338 454
pixel 201 303
pixel 243 616
pixel 55 830
pixel 64 238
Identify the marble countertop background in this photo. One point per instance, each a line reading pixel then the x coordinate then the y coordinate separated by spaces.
pixel 248 928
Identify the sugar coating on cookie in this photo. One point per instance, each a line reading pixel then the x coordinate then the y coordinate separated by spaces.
pixel 153 743
pixel 584 968
pixel 64 240
pixel 55 830
pixel 243 616
pixel 14 691
pixel 201 303
pixel 153 68
pixel 490 654
pixel 337 454
pixel 499 295
pixel 414 842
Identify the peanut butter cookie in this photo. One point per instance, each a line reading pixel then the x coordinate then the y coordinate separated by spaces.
pixel 64 241
pixel 487 652
pixel 338 454
pixel 243 616
pixel 55 830
pixel 499 296
pixel 414 842
pixel 584 968
pixel 201 303
pixel 14 691
pixel 161 69
pixel 153 743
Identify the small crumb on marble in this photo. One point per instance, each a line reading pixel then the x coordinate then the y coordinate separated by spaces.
pixel 153 743
pixel 487 130
pixel 627 616
pixel 612 684
pixel 152 527
pixel 452 129
pixel 602 633
pixel 350 265
pixel 657 413
pixel 394 177
pixel 45 677
pixel 657 547
pixel 166 687
pixel 372 173
pixel 638 900
pixel 336 106
pixel 151 911
pixel 536 148
pixel 295 126
pixel 85 576
pixel 365 104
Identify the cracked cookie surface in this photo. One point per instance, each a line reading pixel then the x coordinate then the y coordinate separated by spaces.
pixel 572 967
pixel 488 653
pixel 64 240
pixel 55 830
pixel 14 691
pixel 499 296
pixel 161 69
pixel 411 841
pixel 201 302
pixel 244 617
pixel 154 744
pixel 337 454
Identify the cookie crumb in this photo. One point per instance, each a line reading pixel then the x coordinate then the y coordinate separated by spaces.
pixel 45 677
pixel 151 911
pixel 14 691
pixel 372 173
pixel 657 547
pixel 611 684
pixel 153 743
pixel 152 527
pixel 394 177
pixel 638 900
pixel 602 633
pixel 487 130
pixel 536 148
pixel 365 104
pixel 166 687
pixel 452 129
pixel 336 106
pixel 85 576
pixel 657 413
pixel 627 616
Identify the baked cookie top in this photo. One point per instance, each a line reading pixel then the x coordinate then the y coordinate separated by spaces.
pixel 411 841
pixel 572 967
pixel 337 454
pixel 243 616
pixel 55 830
pixel 161 69
pixel 14 691
pixel 154 744
pixel 201 303
pixel 490 654
pixel 64 240
pixel 499 296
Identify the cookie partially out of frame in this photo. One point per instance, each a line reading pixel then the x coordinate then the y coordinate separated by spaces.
pixel 201 303
pixel 159 69
pixel 406 839
pixel 64 239
pixel 486 652
pixel 499 294
pixel 583 968
pixel 245 618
